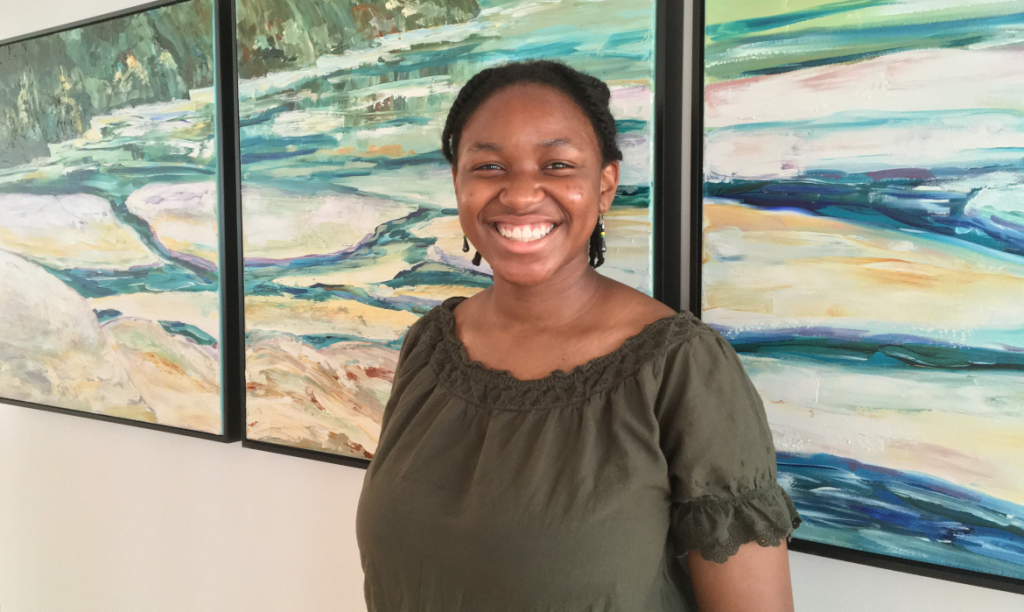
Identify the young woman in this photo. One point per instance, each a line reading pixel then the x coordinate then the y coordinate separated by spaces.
pixel 561 442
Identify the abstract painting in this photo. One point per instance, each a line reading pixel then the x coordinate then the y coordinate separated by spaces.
pixel 109 284
pixel 863 250
pixel 350 231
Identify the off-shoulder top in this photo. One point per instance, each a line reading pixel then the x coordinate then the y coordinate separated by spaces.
pixel 578 492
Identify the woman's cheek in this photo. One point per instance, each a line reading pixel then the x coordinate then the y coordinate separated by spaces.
pixel 469 194
pixel 576 197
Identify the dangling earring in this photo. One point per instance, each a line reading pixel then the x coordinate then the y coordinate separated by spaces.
pixel 597 244
pixel 465 249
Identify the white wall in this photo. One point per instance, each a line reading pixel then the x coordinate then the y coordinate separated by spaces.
pixel 99 517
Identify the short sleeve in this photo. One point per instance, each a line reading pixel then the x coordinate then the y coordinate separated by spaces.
pixel 715 437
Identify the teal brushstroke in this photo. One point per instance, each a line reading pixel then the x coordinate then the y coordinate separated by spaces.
pixel 321 341
pixel 434 273
pixel 626 126
pixel 858 120
pixel 104 283
pixel 885 352
pixel 746 57
pixel 189 331
pixel 633 196
pixel 325 340
pixel 721 32
pixel 109 314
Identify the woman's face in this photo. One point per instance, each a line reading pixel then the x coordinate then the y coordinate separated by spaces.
pixel 530 183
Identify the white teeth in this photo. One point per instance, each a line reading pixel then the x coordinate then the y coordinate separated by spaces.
pixel 525 233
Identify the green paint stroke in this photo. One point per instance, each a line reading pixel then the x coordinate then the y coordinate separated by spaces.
pixel 276 35
pixel 51 87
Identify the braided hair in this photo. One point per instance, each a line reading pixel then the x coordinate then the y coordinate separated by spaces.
pixel 590 94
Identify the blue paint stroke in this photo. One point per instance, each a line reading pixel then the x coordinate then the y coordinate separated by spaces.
pixel 855 505
pixel 892 203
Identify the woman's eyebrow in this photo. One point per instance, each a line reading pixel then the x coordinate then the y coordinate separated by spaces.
pixel 544 144
pixel 485 146
pixel 558 142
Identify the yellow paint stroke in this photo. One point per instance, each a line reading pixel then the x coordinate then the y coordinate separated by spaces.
pixel 785 265
pixel 337 317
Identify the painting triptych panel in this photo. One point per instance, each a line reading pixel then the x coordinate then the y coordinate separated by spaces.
pixel 350 231
pixel 863 250
pixel 109 257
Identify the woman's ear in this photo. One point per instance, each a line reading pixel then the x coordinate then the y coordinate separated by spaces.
pixel 609 185
pixel 455 174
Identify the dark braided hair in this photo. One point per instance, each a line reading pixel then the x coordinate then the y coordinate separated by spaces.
pixel 590 94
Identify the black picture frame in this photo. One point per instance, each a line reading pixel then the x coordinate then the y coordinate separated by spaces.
pixel 231 394
pixel 667 188
pixel 851 555
pixel 668 160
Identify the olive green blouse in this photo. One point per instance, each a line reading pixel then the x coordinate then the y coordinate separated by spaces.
pixel 578 492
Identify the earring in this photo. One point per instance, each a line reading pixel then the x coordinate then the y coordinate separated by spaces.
pixel 597 244
pixel 465 249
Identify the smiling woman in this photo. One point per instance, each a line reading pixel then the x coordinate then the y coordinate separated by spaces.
pixel 560 441
pixel 577 122
pixel 527 198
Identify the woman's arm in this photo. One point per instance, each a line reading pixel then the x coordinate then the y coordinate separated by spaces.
pixel 755 579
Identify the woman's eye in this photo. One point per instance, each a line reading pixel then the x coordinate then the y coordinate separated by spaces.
pixel 559 166
pixel 487 167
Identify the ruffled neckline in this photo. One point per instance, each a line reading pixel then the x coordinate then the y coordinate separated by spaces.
pixel 500 390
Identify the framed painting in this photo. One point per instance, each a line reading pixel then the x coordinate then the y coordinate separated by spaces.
pixel 112 254
pixel 350 231
pixel 861 244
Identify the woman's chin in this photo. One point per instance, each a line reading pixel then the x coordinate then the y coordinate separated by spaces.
pixel 526 273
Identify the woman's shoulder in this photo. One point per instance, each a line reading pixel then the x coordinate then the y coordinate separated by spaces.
pixel 643 315
pixel 429 329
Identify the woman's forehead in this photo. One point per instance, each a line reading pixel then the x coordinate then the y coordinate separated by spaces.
pixel 529 98
pixel 538 115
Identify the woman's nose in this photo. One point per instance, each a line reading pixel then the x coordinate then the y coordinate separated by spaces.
pixel 521 190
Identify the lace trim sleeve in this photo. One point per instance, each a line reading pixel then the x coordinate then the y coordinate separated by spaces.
pixel 717 527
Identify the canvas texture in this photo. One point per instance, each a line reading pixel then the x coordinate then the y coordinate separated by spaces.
pixel 109 284
pixel 349 217
pixel 863 250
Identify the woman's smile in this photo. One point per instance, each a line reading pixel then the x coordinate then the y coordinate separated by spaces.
pixel 524 233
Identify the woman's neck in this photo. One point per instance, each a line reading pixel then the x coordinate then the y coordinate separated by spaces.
pixel 567 296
